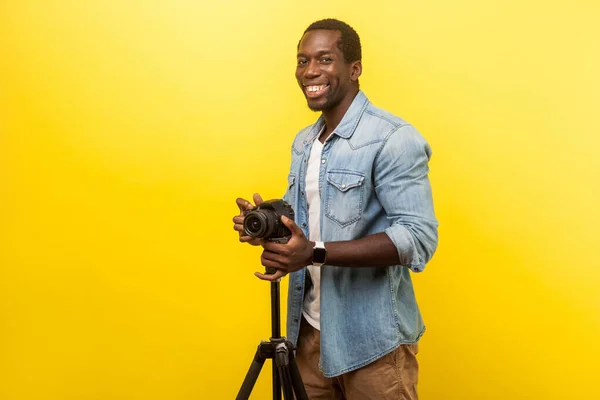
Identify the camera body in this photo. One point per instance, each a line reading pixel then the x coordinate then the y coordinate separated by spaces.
pixel 264 221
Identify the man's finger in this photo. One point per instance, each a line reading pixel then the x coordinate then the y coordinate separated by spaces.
pixel 257 199
pixel 272 258
pixel 243 205
pixel 295 229
pixel 253 241
pixel 275 248
pixel 270 277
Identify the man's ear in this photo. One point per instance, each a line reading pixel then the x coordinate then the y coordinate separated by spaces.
pixel 356 70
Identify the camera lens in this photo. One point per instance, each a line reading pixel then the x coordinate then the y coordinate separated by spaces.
pixel 255 224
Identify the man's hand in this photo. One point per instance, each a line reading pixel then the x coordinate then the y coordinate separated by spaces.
pixel 288 257
pixel 238 220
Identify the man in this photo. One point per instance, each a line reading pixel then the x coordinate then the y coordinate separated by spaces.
pixel 363 220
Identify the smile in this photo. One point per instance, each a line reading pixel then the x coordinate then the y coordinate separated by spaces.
pixel 315 90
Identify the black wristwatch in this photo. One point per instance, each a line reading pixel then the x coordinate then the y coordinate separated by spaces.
pixel 319 254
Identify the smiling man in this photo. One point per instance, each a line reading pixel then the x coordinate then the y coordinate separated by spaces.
pixel 364 222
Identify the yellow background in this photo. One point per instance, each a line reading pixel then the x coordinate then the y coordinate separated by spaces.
pixel 128 128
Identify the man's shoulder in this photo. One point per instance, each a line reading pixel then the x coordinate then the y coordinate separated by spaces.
pixel 379 126
pixel 382 118
pixel 375 126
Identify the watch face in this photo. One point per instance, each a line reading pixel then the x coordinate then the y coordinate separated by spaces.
pixel 319 255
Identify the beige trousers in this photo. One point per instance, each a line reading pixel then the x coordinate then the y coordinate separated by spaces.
pixel 393 376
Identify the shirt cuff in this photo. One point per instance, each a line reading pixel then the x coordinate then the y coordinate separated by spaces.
pixel 407 249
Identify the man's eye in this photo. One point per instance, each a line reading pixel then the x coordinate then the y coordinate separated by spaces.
pixel 301 62
pixel 326 60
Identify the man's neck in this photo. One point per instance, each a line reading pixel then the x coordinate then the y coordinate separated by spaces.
pixel 334 116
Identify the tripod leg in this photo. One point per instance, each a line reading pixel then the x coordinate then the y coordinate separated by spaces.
pixel 297 384
pixel 276 382
pixel 251 376
pixel 286 383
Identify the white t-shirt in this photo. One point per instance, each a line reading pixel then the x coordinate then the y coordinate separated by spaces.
pixel 312 303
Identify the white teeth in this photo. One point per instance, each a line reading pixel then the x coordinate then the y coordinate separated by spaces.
pixel 315 88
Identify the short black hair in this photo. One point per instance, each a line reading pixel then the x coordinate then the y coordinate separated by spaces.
pixel 349 43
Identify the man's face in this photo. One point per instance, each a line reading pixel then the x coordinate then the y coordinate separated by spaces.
pixel 322 73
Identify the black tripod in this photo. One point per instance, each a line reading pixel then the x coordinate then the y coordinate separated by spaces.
pixel 281 351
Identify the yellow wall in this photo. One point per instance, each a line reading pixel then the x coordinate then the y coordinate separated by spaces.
pixel 128 128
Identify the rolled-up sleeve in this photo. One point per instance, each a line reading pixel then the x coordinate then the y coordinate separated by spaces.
pixel 402 186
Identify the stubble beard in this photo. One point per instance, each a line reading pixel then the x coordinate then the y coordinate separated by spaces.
pixel 328 105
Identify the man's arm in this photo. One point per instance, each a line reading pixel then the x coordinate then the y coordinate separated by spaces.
pixel 371 251
pixel 402 186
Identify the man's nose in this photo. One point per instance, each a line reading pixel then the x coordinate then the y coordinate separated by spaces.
pixel 312 70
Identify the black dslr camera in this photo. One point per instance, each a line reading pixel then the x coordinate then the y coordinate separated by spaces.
pixel 264 221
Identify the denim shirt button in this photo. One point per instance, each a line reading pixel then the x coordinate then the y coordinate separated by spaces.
pixel 298 287
pixel 323 161
pixel 295 319
pixel 304 224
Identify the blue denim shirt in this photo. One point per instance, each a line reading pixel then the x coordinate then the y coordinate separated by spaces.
pixel 373 179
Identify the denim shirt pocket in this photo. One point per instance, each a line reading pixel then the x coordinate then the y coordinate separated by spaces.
pixel 344 196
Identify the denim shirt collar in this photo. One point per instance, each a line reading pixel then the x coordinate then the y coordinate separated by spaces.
pixel 347 125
